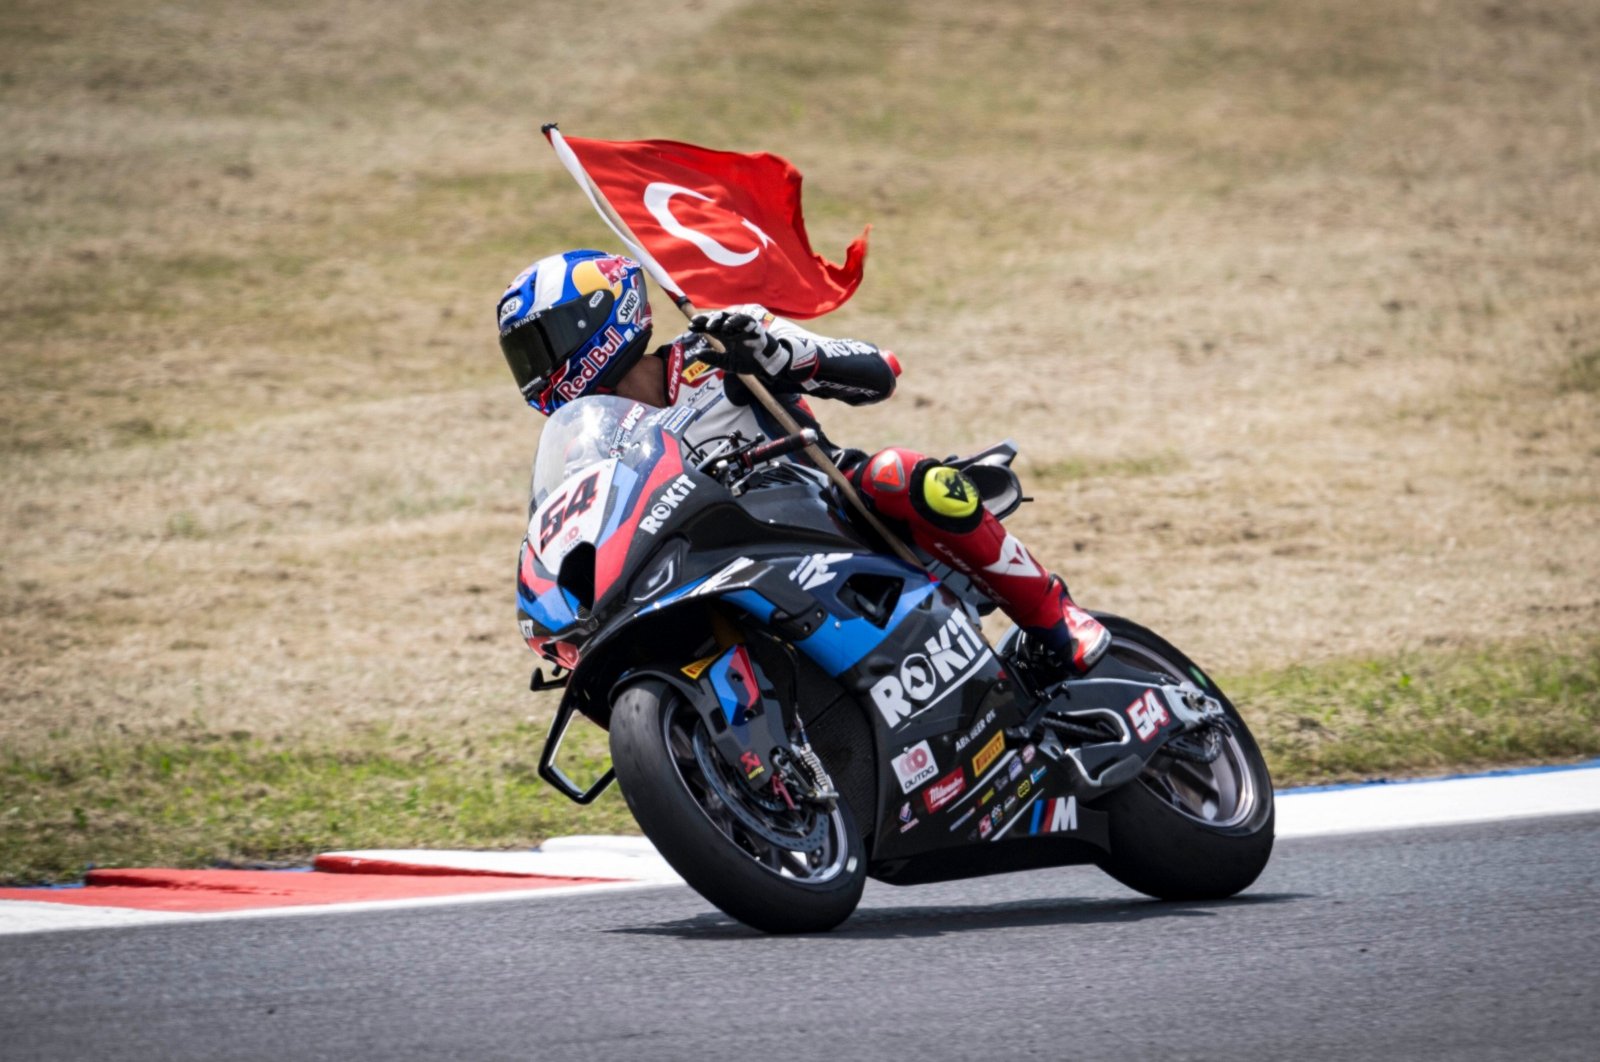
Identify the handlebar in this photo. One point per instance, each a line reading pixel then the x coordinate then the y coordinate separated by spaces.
pixel 759 453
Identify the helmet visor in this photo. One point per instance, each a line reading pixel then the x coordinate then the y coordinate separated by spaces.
pixel 537 344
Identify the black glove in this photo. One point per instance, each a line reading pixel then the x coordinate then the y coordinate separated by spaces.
pixel 747 347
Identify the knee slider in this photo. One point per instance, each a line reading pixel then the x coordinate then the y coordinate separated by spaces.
pixel 946 497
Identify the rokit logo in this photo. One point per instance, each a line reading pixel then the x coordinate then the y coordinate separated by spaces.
pixel 669 500
pixel 924 680
pixel 915 766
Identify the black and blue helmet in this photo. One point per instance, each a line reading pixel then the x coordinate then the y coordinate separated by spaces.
pixel 573 324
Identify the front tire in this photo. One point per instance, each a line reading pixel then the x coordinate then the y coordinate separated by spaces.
pixel 719 836
pixel 1181 830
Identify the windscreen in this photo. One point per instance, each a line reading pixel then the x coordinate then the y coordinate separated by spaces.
pixel 589 430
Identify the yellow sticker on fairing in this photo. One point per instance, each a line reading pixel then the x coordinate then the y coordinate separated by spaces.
pixel 694 670
pixel 988 754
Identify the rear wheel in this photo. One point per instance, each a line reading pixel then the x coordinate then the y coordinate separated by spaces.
pixel 774 868
pixel 1187 830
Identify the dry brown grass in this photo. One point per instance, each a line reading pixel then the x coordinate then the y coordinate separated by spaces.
pixel 1293 304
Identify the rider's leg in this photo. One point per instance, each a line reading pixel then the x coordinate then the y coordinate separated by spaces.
pixel 947 518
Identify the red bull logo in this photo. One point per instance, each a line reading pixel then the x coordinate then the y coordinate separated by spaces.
pixel 577 376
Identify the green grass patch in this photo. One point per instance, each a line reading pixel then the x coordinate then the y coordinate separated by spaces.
pixel 1076 468
pixel 1422 713
pixel 197 798
pixel 206 799
pixel 1582 373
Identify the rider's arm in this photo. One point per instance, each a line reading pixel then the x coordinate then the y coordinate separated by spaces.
pixel 849 370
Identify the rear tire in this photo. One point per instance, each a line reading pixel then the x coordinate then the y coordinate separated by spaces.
pixel 686 815
pixel 1185 831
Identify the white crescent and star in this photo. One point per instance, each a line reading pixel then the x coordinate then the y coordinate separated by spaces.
pixel 658 198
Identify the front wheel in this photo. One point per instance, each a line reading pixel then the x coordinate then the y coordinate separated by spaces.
pixel 773 868
pixel 1185 830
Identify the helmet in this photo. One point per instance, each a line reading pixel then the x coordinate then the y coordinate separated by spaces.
pixel 573 324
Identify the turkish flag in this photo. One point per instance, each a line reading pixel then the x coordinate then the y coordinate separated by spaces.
pixel 725 227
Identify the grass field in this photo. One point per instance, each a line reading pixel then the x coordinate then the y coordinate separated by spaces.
pixel 1294 308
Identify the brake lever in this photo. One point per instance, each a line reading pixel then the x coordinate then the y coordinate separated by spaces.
pixel 759 453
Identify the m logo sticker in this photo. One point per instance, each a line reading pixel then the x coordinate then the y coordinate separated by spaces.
pixel 1055 816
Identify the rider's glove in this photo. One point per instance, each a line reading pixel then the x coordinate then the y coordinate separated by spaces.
pixel 747 347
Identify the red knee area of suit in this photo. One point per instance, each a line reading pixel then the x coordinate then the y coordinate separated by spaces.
pixel 944 512
pixel 945 515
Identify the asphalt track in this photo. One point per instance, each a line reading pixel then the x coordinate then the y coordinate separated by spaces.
pixel 1453 943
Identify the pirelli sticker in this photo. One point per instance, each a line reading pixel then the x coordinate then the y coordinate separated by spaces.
pixel 988 754
pixel 693 670
pixel 694 371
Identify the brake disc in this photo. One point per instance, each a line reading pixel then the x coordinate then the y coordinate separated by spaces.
pixel 752 811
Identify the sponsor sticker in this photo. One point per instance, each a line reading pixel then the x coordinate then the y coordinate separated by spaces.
pixel 695 669
pixel 751 764
pixel 977 730
pixel 1055 816
pixel 628 307
pixel 988 795
pixel 1028 752
pixel 914 766
pixel 985 827
pixel 670 498
pixel 679 420
pixel 1038 773
pixel 988 754
pixel 944 790
pixel 574 385
pixel 925 679
pixel 908 819
pixel 1148 715
pixel 966 817
pixel 1014 770
pixel 694 373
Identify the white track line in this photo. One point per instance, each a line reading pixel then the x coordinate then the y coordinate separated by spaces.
pixel 1313 813
pixel 1446 802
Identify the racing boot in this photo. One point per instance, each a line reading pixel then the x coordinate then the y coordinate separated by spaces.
pixel 1069 645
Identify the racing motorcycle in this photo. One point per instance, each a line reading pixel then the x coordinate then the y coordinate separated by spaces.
pixel 792 709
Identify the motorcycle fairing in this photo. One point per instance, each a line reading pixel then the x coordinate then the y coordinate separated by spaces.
pixel 815 621
pixel 630 492
pixel 1019 798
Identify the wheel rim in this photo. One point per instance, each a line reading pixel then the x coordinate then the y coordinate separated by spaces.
pixel 761 830
pixel 1219 794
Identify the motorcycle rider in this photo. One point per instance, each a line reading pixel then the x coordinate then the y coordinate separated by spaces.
pixel 579 323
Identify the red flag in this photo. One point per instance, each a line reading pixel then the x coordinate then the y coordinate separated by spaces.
pixel 726 227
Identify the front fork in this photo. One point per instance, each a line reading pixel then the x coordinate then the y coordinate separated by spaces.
pixel 742 713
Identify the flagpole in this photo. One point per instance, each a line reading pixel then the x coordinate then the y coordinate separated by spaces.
pixel 687 308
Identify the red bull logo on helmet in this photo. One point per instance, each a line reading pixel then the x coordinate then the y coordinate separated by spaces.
pixel 577 375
